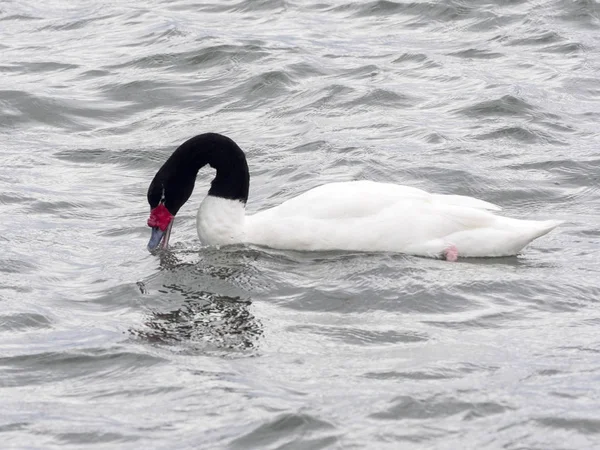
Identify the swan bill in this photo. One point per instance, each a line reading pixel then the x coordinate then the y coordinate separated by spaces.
pixel 155 238
pixel 160 238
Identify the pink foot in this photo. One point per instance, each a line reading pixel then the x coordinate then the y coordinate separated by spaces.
pixel 451 253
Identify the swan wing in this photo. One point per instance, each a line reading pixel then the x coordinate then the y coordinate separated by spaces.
pixel 411 225
pixel 397 227
pixel 354 199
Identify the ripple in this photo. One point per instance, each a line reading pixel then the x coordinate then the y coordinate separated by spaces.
pixel 581 425
pixel 23 321
pixel 17 266
pixel 247 6
pixel 406 407
pixel 125 157
pixel 204 58
pixel 584 87
pixel 44 368
pixel 506 105
pixel 94 438
pixel 448 11
pixel 19 17
pixel 430 373
pixel 526 135
pixel 356 336
pixel 260 89
pixel 412 57
pixel 486 321
pixel 27 67
pixel 281 430
pixel 556 43
pixel 19 108
pixel 474 53
pixel 74 24
pixel 382 98
pixel 584 13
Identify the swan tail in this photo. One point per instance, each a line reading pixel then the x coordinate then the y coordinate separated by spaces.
pixel 533 230
pixel 508 238
pixel 540 228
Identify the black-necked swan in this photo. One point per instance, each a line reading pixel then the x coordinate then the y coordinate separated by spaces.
pixel 353 215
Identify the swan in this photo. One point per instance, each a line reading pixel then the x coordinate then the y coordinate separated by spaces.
pixel 353 215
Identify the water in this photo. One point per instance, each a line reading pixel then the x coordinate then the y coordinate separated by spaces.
pixel 103 345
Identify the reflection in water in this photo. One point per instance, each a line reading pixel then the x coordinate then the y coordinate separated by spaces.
pixel 218 320
pixel 221 321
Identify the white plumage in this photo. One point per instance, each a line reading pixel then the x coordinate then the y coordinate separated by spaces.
pixel 370 216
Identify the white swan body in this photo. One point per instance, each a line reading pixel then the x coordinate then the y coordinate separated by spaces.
pixel 355 215
pixel 370 216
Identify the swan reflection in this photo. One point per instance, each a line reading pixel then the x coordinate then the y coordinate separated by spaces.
pixel 201 316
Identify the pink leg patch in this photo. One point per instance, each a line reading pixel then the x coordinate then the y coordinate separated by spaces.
pixel 451 253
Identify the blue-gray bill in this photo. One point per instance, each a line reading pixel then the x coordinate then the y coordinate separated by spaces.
pixel 155 238
pixel 160 238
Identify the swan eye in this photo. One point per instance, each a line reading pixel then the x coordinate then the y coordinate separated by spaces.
pixel 160 217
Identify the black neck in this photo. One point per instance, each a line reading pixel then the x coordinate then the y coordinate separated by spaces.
pixel 174 182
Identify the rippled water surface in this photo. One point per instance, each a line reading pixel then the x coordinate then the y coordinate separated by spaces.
pixel 103 345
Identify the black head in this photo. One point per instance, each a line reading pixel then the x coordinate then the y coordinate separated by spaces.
pixel 174 182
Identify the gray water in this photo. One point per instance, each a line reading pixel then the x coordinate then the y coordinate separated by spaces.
pixel 103 345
